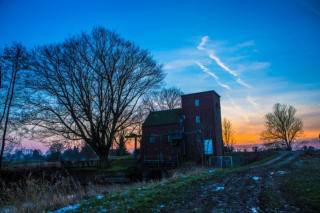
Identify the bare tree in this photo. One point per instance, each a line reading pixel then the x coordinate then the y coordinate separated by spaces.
pixel 13 60
pixel 282 125
pixel 88 88
pixel 228 134
pixel 167 98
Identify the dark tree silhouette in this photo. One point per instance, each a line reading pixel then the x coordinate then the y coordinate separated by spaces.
pixel 37 155
pixel 55 152
pixel 122 150
pixel 88 88
pixel 13 60
pixel 282 125
pixel 87 153
pixel 167 98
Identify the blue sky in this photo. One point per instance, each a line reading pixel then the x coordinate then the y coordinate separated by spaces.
pixel 253 53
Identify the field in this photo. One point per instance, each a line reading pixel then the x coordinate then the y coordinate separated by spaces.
pixel 281 182
pixel 285 183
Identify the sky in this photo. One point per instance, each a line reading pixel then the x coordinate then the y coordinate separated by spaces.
pixel 253 53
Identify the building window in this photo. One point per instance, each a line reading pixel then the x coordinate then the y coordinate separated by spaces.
pixel 197 119
pixel 152 139
pixel 196 102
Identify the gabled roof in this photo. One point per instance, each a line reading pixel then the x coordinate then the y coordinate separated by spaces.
pixel 210 91
pixel 171 116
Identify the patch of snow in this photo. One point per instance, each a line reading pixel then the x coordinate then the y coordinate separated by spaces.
pixel 219 188
pixel 271 173
pixel 67 208
pixel 255 178
pixel 282 172
pixel 99 197
pixel 254 210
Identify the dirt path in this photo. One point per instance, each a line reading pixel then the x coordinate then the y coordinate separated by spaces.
pixel 252 190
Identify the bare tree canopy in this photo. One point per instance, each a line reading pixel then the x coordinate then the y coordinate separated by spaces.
pixel 282 125
pixel 228 134
pixel 13 60
pixel 167 98
pixel 88 87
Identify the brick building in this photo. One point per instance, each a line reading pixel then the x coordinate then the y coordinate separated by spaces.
pixel 186 133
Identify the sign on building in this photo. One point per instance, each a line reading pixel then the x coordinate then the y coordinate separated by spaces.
pixel 208 150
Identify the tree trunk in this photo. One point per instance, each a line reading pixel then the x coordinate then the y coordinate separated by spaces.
pixel 7 119
pixel 104 161
pixel 289 148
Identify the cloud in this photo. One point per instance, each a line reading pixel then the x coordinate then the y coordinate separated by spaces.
pixel 243 83
pixel 253 66
pixel 251 101
pixel 204 40
pixel 245 44
pixel 224 85
pixel 206 70
pixel 178 64
pixel 222 65
pixel 238 110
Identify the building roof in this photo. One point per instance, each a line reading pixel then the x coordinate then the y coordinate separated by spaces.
pixel 171 116
pixel 210 91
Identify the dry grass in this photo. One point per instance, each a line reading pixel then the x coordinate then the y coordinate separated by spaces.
pixel 42 195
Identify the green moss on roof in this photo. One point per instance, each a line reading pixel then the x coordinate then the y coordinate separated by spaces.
pixel 163 117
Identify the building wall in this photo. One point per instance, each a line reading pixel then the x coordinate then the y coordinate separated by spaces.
pixel 210 122
pixel 194 133
pixel 151 151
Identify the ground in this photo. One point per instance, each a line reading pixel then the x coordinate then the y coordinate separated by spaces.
pixel 289 182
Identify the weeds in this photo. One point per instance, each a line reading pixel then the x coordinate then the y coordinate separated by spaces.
pixel 42 195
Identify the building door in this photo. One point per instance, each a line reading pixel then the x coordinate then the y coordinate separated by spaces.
pixel 208 148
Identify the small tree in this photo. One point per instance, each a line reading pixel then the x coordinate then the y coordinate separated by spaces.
pixel 282 125
pixel 228 134
pixel 37 155
pixel 122 150
pixel 87 152
pixel 55 152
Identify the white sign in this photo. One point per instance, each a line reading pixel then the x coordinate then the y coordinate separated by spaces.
pixel 208 150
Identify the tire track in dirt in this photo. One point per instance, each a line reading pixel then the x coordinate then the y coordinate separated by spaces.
pixel 241 192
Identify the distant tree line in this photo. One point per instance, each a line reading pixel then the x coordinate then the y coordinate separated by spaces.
pixel 55 153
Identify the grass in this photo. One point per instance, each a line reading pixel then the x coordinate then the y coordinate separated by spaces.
pixel 121 163
pixel 150 198
pixel 302 185
pixel 118 163
pixel 24 194
pixel 264 160
pixel 37 195
pixel 156 197
pixel 23 162
pixel 244 158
